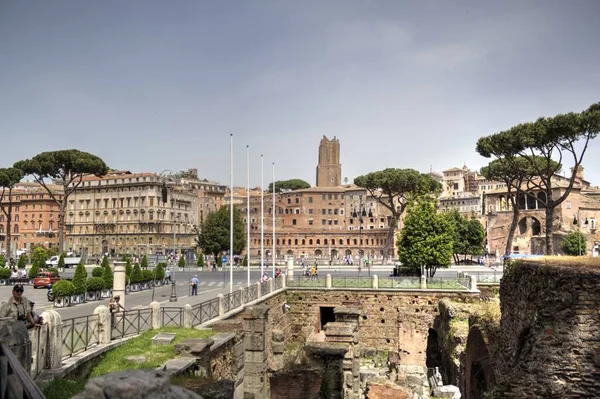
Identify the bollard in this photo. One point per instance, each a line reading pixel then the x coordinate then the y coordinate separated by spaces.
pixel 155 315
pixel 119 281
pixel 375 282
pixel 187 316
pixel 242 297
pixel 258 290
pixel 55 339
pixel 328 281
pixel 473 285
pixel 423 282
pixel 221 304
pixel 104 326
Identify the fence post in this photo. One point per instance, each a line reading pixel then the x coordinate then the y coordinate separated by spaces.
pixel 155 315
pixel 375 282
pixel 473 283
pixel 104 324
pixel 423 282
pixel 55 339
pixel 270 282
pixel 242 297
pixel 258 290
pixel 187 316
pixel 283 278
pixel 221 304
pixel 328 281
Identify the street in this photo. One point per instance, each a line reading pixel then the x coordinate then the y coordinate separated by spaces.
pixel 211 284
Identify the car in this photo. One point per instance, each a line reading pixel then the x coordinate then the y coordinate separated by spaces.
pixel 44 279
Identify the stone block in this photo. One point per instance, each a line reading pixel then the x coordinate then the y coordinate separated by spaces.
pixel 254 342
pixel 136 359
pixel 256 312
pixel 278 347
pixel 447 391
pixel 277 336
pixel 197 347
pixel 229 326
pixel 339 329
pixel 255 356
pixel 255 368
pixel 163 339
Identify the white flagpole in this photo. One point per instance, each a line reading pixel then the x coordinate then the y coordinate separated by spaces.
pixel 273 215
pixel 262 216
pixel 248 208
pixel 231 217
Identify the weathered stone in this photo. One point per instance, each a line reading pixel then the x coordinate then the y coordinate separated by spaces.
pixel 278 347
pixel 163 339
pixel 134 384
pixel 136 359
pixel 327 348
pixel 447 391
pixel 277 336
pixel 193 346
pixel 256 312
pixel 385 390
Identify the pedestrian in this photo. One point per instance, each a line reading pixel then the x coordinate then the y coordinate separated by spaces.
pixel 194 283
pixel 114 305
pixel 18 308
pixel 168 274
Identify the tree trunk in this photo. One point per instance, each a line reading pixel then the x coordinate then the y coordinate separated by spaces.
pixel 388 242
pixel 511 232
pixel 61 226
pixel 549 228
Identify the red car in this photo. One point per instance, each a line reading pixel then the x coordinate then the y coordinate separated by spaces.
pixel 44 279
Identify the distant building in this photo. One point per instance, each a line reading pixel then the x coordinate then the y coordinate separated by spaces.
pixel 329 169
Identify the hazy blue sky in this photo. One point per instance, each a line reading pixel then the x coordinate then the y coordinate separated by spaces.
pixel 151 85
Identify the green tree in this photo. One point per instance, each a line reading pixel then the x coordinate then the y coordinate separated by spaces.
pixel 181 262
pixel 395 189
pixel 104 262
pixel 9 177
pixel 214 234
pixel 128 268
pixel 2 260
pixel 200 259
pixel 160 272
pixel 107 275
pixel 574 244
pixel 285 185
pixel 136 274
pixel 245 260
pixel 35 268
pixel 564 136
pixel 80 278
pixel 426 238
pixel 468 237
pixel 22 261
pixel 39 256
pixel 97 271
pixel 68 167
pixel 61 261
pixel 144 262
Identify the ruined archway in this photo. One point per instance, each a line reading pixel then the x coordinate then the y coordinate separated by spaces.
pixel 479 373
pixel 536 227
pixel 433 353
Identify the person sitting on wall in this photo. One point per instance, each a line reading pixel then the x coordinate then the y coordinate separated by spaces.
pixel 18 308
pixel 114 305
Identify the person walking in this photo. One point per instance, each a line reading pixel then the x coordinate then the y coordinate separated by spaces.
pixel 194 283
pixel 168 275
pixel 18 308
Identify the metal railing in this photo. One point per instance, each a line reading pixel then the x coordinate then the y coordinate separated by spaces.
pixel 172 316
pixel 205 311
pixel 406 283
pixel 305 281
pixel 131 322
pixel 232 300
pixel 352 282
pixel 487 278
pixel 278 283
pixel 447 283
pixel 250 293
pixel 14 381
pixel 79 334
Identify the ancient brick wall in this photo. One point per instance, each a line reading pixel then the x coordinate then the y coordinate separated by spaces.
pixel 550 325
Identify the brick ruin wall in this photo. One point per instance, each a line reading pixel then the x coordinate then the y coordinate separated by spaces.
pixel 550 332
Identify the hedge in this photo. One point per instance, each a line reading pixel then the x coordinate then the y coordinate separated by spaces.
pixel 95 284
pixel 63 288
pixel 80 278
pixel 147 275
pixel 5 273
pixel 97 271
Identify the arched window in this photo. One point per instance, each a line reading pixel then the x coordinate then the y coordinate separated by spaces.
pixel 318 241
pixel 303 241
pixel 310 242
pixel 16 229
pixel 325 242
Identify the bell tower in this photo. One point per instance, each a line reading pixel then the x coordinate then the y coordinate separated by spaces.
pixel 329 169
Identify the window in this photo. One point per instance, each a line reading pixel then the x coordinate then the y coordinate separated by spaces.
pixel 323 197
pixel 294 222
pixel 310 222
pixel 310 200
pixel 323 211
pixel 329 196
pixel 297 200
pixel 323 222
pixel 329 211
pixel 335 222
pixel 310 211
pixel 289 200
pixel 335 211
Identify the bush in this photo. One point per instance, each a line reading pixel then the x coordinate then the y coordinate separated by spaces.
pixel 107 276
pixel 53 269
pixel 2 260
pixel 63 288
pixel 105 262
pixel 144 263
pixel 245 261
pixel 575 244
pixel 136 274
pixel 97 271
pixel 201 260
pixel 128 268
pixel 147 275
pixel 160 271
pixel 61 261
pixel 35 269
pixel 181 262
pixel 39 255
pixel 5 273
pixel 22 262
pixel 94 284
pixel 79 279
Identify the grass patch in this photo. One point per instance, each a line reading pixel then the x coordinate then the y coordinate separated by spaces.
pixel 445 285
pixel 114 360
pixel 155 356
pixel 63 388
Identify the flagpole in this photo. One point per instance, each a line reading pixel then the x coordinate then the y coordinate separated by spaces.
pixel 262 216
pixel 248 209
pixel 231 216
pixel 273 214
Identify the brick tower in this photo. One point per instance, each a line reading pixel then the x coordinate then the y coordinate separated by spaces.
pixel 329 169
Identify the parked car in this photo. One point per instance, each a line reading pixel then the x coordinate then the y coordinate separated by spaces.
pixel 69 262
pixel 44 279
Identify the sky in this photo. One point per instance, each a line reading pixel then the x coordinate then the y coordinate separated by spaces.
pixel 154 85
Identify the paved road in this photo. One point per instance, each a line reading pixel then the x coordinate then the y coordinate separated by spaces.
pixel 211 284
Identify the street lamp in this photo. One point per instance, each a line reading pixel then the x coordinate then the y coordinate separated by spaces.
pixel 164 197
